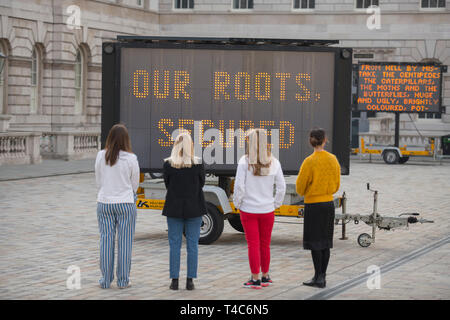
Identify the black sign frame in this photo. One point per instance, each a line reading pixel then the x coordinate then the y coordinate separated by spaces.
pixel 434 64
pixel 111 60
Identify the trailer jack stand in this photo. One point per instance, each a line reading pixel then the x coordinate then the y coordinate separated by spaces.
pixel 344 211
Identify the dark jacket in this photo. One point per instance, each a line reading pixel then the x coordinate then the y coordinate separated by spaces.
pixel 184 198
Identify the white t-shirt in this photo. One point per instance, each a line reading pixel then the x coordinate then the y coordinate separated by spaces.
pixel 255 194
pixel 117 184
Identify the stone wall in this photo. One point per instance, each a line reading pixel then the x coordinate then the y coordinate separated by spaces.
pixel 27 24
pixel 407 33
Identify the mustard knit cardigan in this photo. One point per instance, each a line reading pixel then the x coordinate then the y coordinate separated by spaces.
pixel 319 177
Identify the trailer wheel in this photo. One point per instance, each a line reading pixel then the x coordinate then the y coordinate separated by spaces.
pixel 403 159
pixel 235 222
pixel 212 224
pixel 391 156
pixel 364 240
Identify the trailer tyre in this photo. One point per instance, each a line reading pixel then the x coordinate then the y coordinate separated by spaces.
pixel 391 156
pixel 364 240
pixel 403 159
pixel 212 224
pixel 235 222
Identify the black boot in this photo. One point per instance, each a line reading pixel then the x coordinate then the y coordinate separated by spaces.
pixel 174 284
pixel 311 282
pixel 317 261
pixel 190 284
pixel 320 281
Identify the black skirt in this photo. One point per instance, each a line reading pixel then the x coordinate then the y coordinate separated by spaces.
pixel 318 226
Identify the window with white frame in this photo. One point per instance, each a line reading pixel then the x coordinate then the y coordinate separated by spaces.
pixel 79 83
pixel 304 4
pixel 432 4
pixel 184 4
pixel 242 4
pixel 363 4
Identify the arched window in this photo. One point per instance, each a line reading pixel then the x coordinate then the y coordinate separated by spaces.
pixel 79 81
pixel 36 72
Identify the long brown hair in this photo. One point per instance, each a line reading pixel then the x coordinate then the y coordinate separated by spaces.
pixel 258 152
pixel 118 139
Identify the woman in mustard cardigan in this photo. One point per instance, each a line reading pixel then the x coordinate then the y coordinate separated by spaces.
pixel 317 181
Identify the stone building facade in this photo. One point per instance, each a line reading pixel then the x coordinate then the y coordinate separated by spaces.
pixel 50 87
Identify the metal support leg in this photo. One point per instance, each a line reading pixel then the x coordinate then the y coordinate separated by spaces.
pixel 344 211
pixel 397 129
pixel 375 213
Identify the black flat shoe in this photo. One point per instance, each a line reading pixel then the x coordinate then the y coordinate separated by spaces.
pixel 174 284
pixel 190 284
pixel 312 282
pixel 321 282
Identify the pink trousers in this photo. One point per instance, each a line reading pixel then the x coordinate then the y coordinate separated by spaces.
pixel 258 232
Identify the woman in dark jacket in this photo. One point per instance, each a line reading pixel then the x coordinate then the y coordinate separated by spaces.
pixel 184 177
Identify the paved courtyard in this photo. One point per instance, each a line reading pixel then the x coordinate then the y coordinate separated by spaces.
pixel 49 224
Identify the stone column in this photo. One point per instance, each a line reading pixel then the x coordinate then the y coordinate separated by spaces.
pixel 4 122
pixel 33 147
pixel 446 96
pixel 64 145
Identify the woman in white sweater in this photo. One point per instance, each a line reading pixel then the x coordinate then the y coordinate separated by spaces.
pixel 117 177
pixel 257 173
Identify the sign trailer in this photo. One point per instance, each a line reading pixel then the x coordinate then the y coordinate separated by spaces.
pixel 398 87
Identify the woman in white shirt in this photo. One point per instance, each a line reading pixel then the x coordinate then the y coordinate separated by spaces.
pixel 117 177
pixel 257 173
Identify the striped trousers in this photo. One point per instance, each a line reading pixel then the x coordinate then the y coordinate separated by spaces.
pixel 112 216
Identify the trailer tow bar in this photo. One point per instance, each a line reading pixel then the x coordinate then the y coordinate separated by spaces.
pixel 374 220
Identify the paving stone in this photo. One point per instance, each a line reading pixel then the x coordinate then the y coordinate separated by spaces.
pixel 50 223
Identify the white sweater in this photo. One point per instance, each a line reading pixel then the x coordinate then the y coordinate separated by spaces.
pixel 255 194
pixel 117 184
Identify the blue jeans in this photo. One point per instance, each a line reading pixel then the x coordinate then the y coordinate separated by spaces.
pixel 191 227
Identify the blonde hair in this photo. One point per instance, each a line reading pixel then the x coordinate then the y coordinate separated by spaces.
pixel 182 155
pixel 257 152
